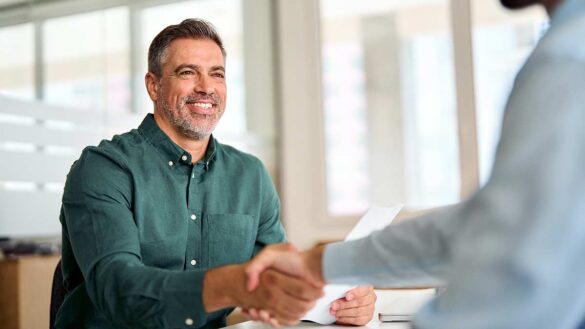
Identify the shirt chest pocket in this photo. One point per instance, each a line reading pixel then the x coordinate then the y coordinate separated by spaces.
pixel 231 238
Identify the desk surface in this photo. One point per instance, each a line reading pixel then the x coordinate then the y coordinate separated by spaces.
pixel 373 324
pixel 400 301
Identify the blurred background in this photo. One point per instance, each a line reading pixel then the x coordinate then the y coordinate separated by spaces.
pixel 348 103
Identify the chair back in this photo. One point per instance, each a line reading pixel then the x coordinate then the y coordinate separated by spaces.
pixel 57 295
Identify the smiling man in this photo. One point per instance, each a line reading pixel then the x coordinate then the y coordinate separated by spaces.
pixel 159 222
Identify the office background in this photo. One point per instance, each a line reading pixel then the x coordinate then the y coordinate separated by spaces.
pixel 348 103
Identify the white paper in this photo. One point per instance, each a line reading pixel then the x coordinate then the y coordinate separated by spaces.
pixel 375 219
pixel 403 301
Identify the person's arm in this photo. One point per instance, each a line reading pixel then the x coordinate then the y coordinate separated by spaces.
pixel 414 260
pixel 415 252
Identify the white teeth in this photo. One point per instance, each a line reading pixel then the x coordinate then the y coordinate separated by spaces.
pixel 203 105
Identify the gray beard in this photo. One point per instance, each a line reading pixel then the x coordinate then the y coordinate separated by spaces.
pixel 183 124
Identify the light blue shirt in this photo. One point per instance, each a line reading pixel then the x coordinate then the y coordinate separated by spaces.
pixel 513 255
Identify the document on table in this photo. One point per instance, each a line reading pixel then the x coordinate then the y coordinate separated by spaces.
pixel 375 219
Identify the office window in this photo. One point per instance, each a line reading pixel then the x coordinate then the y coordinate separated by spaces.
pixel 389 107
pixel 17 66
pixel 226 16
pixel 502 40
pixel 86 60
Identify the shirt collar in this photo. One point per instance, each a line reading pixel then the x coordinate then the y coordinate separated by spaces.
pixel 172 152
pixel 566 11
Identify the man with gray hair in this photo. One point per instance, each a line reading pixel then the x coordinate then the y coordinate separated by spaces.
pixel 158 222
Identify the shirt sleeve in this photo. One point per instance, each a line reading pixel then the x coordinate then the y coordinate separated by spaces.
pixel 97 208
pixel 513 253
pixel 396 256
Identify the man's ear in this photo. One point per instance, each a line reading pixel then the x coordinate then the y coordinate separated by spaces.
pixel 151 83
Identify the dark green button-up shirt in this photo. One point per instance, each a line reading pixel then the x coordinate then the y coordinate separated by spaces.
pixel 142 225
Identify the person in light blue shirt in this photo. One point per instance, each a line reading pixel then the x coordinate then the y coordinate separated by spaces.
pixel 513 254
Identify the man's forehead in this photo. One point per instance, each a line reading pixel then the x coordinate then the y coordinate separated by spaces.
pixel 196 67
pixel 201 52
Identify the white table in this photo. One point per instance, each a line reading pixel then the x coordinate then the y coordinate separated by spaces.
pixel 399 301
pixel 373 324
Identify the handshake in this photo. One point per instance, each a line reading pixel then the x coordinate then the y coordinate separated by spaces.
pixel 280 285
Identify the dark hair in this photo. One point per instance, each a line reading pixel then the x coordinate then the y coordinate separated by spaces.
pixel 188 29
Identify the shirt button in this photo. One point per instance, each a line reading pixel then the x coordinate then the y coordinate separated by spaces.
pixel 193 217
pixel 193 262
pixel 189 321
pixel 170 163
pixel 184 158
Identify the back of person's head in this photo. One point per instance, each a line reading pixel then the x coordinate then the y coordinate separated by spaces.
pixel 188 29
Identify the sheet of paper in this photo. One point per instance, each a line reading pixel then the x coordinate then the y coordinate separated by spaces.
pixel 403 301
pixel 375 219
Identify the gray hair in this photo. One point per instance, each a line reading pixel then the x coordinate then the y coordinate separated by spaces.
pixel 188 29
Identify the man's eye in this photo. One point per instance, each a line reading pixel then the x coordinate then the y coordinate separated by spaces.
pixel 185 72
pixel 219 75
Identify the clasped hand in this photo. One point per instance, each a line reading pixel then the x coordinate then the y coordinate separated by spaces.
pixel 282 299
pixel 356 308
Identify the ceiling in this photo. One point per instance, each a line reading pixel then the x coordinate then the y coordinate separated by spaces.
pixel 12 4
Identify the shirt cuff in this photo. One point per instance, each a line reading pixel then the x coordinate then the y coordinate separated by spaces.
pixel 184 293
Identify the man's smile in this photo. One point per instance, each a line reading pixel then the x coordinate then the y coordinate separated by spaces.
pixel 201 107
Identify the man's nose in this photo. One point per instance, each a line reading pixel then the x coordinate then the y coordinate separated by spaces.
pixel 204 85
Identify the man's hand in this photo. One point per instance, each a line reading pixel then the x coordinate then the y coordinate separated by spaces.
pixel 356 308
pixel 284 299
pixel 285 258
